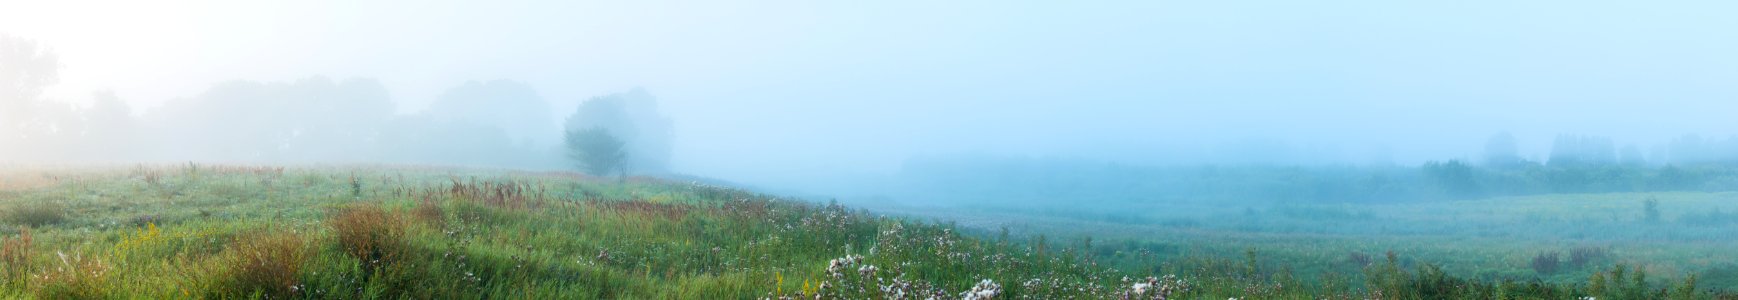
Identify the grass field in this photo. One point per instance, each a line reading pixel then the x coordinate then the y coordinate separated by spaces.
pixel 1490 240
pixel 262 232
pixel 202 231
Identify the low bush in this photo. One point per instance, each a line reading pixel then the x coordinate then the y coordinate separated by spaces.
pixel 1580 257
pixel 369 234
pixel 37 214
pixel 1546 263
pixel 266 265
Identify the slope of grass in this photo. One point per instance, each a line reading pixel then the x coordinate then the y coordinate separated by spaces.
pixel 198 231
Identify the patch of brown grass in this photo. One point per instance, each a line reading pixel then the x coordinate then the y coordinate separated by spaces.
pixel 266 264
pixel 430 212
pixel 24 181
pixel 15 254
pixel 370 234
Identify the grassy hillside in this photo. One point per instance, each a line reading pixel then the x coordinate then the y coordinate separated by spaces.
pixel 198 231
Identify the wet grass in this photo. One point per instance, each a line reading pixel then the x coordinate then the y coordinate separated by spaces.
pixel 198 231
pixel 1488 240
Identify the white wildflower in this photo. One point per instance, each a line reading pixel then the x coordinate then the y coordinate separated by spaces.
pixel 983 291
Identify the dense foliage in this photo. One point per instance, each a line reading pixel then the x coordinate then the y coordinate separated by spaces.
pixel 597 151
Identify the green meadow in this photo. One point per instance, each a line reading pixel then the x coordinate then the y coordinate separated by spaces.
pixel 226 232
pixel 1564 239
pixel 197 231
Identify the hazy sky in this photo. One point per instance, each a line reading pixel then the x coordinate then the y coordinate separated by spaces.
pixel 758 88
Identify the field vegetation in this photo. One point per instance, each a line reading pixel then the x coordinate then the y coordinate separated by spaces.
pixel 200 231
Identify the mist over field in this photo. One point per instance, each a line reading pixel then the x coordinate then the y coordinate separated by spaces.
pixel 1528 128
pixel 777 91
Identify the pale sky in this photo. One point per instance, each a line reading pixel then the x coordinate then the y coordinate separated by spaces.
pixel 764 89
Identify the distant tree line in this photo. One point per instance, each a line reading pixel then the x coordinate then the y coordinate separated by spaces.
pixel 499 123
pixel 1582 170
pixel 1571 151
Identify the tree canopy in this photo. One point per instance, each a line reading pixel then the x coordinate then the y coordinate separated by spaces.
pixel 597 151
pixel 633 118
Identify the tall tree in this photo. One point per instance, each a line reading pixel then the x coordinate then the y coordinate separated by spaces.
pixel 25 70
pixel 1456 179
pixel 597 151
pixel 1580 151
pixel 632 117
pixel 108 125
pixel 312 119
pixel 513 106
pixel 1500 151
pixel 1631 156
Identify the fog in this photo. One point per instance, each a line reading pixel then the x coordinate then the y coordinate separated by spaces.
pixel 838 98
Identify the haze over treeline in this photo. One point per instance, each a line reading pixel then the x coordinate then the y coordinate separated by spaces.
pixel 496 123
pixel 801 93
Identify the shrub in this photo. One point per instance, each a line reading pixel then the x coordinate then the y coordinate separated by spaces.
pixel 1579 257
pixel 370 234
pixel 37 214
pixel 267 264
pixel 1546 263
pixel 1651 210
pixel 1616 284
pixel 355 186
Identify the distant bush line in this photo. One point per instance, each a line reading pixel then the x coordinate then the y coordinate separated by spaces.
pixel 1013 180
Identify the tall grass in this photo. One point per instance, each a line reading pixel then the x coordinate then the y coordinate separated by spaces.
pixel 36 214
pixel 250 232
pixel 267 265
pixel 73 276
pixel 369 234
pixel 15 256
